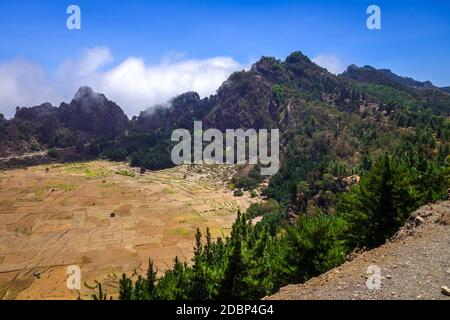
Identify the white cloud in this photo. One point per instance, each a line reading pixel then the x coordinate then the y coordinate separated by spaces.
pixel 90 62
pixel 331 62
pixel 132 84
pixel 23 83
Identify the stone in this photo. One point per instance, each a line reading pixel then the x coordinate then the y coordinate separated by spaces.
pixel 445 290
pixel 419 220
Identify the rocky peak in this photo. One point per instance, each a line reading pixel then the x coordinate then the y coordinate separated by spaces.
pixel 180 112
pixel 297 57
pixel 88 98
pixel 84 92
pixel 185 98
pixel 270 68
pixel 36 113
pixel 93 113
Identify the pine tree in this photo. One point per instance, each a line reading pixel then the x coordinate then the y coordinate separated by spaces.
pixel 198 250
pixel 151 279
pixel 366 163
pixel 231 285
pixel 199 287
pixel 181 284
pixel 447 171
pixel 313 246
pixel 379 204
pixel 208 246
pixel 140 291
pixel 126 288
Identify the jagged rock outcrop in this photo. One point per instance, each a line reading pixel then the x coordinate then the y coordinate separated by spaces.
pixel 180 112
pixel 94 114
pixel 297 96
pixel 88 115
pixel 89 112
pixel 37 113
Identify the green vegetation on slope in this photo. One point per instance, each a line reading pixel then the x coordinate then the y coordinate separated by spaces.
pixel 256 260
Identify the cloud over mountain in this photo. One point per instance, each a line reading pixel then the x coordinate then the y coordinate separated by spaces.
pixel 132 83
pixel 23 83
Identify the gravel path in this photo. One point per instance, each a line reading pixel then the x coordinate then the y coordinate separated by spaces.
pixel 415 264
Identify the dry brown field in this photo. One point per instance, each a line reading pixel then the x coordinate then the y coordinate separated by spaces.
pixel 106 218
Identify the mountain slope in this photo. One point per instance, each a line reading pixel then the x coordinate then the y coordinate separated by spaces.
pixel 446 89
pixel 328 124
pixel 384 77
pixel 88 116
pixel 415 264
pixel 357 157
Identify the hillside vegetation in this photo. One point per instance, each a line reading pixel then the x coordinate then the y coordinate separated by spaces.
pixel 359 153
pixel 414 264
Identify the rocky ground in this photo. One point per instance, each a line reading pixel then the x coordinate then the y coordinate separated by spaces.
pixel 415 264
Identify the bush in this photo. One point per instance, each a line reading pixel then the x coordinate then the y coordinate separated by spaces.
pixel 35 147
pixel 273 215
pixel 52 153
pixel 249 182
pixel 245 183
pixel 379 204
pixel 447 171
pixel 231 186
pixel 125 173
pixel 238 193
pixel 314 246
pixel 262 209
pixel 118 154
pixel 152 159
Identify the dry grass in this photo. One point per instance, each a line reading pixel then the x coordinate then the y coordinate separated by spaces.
pixel 92 215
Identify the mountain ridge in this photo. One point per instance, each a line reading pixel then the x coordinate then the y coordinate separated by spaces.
pixel 370 74
pixel 272 94
pixel 357 156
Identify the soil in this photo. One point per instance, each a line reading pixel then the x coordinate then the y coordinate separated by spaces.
pixel 415 264
pixel 106 218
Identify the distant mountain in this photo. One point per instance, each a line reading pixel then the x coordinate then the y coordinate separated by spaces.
pixel 446 89
pixel 320 115
pixel 180 112
pixel 270 94
pixel 388 133
pixel 384 77
pixel 249 99
pixel 88 116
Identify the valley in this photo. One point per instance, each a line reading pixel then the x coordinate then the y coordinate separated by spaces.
pixel 359 152
pixel 107 218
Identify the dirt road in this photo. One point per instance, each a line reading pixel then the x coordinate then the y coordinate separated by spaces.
pixel 414 265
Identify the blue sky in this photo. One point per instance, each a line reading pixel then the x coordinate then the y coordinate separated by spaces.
pixel 413 41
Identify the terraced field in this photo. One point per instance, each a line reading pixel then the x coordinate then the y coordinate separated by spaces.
pixel 106 218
